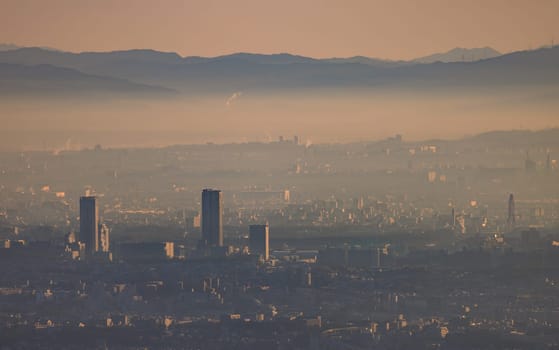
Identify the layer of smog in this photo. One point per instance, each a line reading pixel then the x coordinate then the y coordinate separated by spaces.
pixel 317 116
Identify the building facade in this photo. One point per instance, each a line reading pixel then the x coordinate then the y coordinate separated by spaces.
pixel 89 224
pixel 259 240
pixel 212 218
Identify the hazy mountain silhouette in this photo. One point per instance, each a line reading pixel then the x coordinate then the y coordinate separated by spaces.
pixel 459 54
pixel 517 137
pixel 376 62
pixel 48 80
pixel 259 73
pixel 8 47
pixel 281 58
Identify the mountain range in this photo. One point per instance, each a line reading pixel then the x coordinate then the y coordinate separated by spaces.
pixel 46 71
pixel 48 80
pixel 459 54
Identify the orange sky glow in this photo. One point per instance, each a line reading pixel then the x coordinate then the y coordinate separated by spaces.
pixel 394 29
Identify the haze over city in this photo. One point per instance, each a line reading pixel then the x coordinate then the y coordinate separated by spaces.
pixel 306 175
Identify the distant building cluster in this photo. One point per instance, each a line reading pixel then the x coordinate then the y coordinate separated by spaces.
pixel 386 245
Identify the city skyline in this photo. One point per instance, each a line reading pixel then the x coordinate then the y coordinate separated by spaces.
pixel 415 238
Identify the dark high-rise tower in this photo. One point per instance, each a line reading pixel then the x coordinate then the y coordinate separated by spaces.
pixel 259 240
pixel 511 218
pixel 212 228
pixel 89 221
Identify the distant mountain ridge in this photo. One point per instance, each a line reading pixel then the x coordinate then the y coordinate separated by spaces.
pixel 459 54
pixel 47 80
pixel 8 47
pixel 259 72
pixel 515 137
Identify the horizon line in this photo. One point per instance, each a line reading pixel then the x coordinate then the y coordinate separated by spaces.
pixel 231 53
pixel 287 140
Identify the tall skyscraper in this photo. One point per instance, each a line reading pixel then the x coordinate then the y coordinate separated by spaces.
pixel 212 227
pixel 511 218
pixel 89 221
pixel 259 238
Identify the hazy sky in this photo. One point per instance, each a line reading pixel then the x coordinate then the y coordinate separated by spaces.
pixel 396 29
